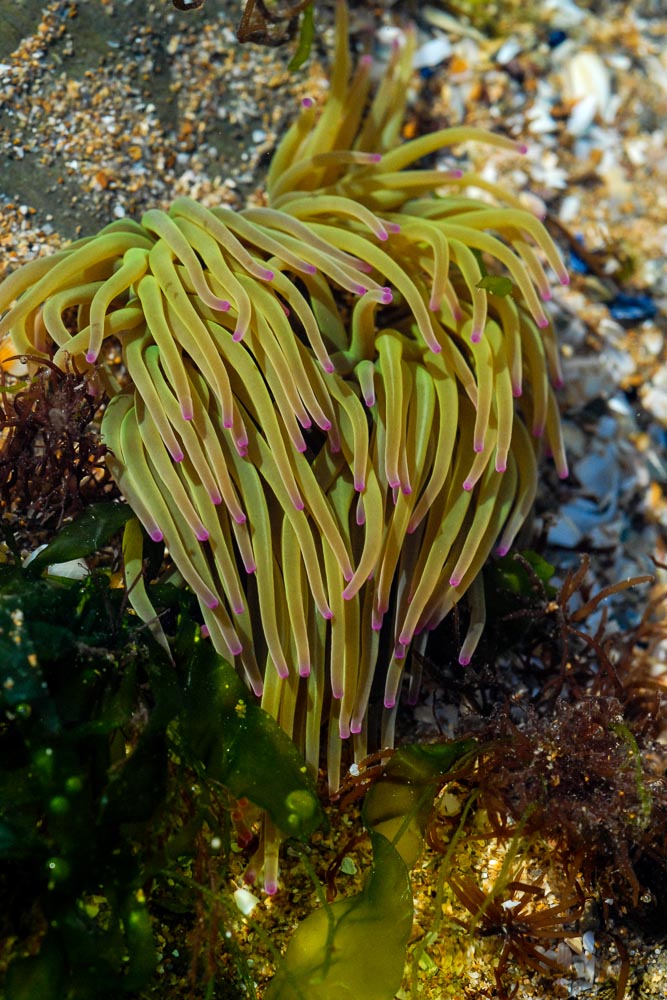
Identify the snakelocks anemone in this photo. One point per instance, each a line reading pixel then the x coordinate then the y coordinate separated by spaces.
pixel 323 408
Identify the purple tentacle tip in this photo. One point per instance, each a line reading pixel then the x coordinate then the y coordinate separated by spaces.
pixel 211 602
pixel 502 550
pixel 467 486
pixel 203 629
pixel 387 296
pixel 389 701
pixel 156 535
pixel 522 148
pixel 307 102
pixel 91 357
pixel 304 670
pixel 186 411
pixel 202 534
pixel 359 289
pixel 270 888
pixel 464 660
pixel 177 456
pixel 355 726
pixel 501 466
pixel 455 581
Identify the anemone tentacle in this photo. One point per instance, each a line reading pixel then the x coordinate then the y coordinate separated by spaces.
pixel 323 410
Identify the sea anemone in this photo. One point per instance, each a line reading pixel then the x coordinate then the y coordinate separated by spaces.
pixel 326 407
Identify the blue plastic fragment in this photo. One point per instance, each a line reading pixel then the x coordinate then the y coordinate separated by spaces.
pixel 576 264
pixel 632 308
pixel 556 38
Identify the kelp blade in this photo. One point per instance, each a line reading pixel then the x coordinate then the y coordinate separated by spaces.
pixel 354 947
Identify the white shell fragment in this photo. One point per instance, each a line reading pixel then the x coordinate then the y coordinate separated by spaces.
pixel 432 53
pixel 563 13
pixel 73 569
pixel 587 82
pixel 509 50
pixel 245 901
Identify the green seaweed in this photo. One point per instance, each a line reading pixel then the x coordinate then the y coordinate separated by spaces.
pixel 101 734
pixel 87 533
pixel 242 745
pixel 356 947
pixel 306 37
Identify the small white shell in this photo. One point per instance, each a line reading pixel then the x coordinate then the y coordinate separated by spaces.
pixel 563 13
pixel 510 48
pixel 432 53
pixel 245 901
pixel 582 115
pixel 586 81
pixel 588 941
